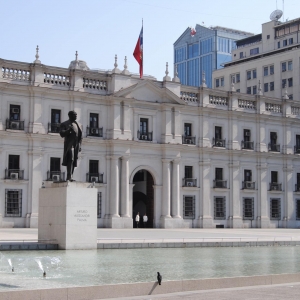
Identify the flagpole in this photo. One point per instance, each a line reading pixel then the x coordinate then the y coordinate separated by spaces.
pixel 143 46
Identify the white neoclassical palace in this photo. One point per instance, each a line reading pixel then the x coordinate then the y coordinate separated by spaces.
pixel 185 156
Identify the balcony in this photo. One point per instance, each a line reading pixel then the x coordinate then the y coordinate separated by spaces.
pixel 55 176
pixel 274 186
pixel 191 140
pixel 53 127
pixel 94 131
pixel 144 136
pixel 14 174
pixel 248 185
pixel 94 177
pixel 220 184
pixel 189 182
pixel 297 187
pixel 274 147
pixel 14 125
pixel 296 149
pixel 219 142
pixel 247 145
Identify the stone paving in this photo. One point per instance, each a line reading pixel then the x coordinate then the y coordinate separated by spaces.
pixel 289 291
pixel 157 235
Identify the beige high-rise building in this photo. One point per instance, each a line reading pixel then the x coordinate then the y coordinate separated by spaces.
pixel 269 61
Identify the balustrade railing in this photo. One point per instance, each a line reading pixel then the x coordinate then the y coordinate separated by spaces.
pixel 189 97
pixel 274 147
pixel 15 74
pixel 297 187
pixel 144 136
pixel 221 184
pixel 247 145
pixel 276 108
pixel 95 84
pixel 247 104
pixel 14 124
pixel 274 186
pixel 189 182
pixel 94 177
pixel 93 131
pixel 14 174
pixel 56 79
pixel 219 142
pixel 189 140
pixel 53 127
pixel 55 176
pixel 218 100
pixel 295 110
pixel 248 185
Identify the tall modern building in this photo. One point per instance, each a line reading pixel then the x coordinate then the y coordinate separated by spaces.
pixel 271 58
pixel 206 51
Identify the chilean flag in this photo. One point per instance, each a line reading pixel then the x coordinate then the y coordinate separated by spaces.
pixel 138 52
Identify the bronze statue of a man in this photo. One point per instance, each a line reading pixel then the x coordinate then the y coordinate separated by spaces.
pixel 72 133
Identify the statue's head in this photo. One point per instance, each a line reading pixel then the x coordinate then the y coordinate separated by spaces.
pixel 72 115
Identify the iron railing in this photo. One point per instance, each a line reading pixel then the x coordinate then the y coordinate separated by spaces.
pixel 296 149
pixel 247 145
pixel 219 142
pixel 55 176
pixel 144 136
pixel 274 147
pixel 220 184
pixel 14 125
pixel 14 174
pixel 274 186
pixel 94 177
pixel 189 140
pixel 53 127
pixel 248 185
pixel 94 131
pixel 189 182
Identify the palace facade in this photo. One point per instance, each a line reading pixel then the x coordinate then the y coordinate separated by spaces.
pixel 186 156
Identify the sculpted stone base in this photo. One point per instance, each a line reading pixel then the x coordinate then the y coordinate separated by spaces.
pixel 117 222
pixel 68 214
pixel 169 222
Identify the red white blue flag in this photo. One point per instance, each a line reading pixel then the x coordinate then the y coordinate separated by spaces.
pixel 193 31
pixel 138 52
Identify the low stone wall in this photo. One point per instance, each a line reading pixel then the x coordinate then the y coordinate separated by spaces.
pixel 147 288
pixel 196 244
pixel 27 246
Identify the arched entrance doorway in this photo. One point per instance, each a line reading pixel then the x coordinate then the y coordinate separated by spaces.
pixel 143 197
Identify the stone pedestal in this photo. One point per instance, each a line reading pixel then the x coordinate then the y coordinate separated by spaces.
pixel 68 214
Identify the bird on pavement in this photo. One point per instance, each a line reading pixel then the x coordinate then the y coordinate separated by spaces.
pixel 159 278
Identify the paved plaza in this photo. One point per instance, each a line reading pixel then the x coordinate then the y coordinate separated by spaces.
pixel 267 292
pixel 159 235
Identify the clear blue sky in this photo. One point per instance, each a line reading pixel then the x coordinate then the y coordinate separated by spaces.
pixel 99 29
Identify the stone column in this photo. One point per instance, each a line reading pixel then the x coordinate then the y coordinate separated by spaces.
pixel 125 187
pixel 35 179
pixel 234 195
pixel 206 212
pixel 263 220
pixel 288 204
pixel 176 189
pixel 166 193
pixel 114 187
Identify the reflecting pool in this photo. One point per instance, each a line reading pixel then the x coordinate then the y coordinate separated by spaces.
pixel 100 267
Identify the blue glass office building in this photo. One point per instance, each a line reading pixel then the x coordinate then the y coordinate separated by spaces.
pixel 206 51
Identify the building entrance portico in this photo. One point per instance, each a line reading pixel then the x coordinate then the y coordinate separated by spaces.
pixel 143 197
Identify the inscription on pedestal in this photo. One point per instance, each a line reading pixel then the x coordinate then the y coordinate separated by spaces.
pixel 82 215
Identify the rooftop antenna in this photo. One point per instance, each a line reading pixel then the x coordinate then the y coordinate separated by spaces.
pixel 283 9
pixel 276 15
